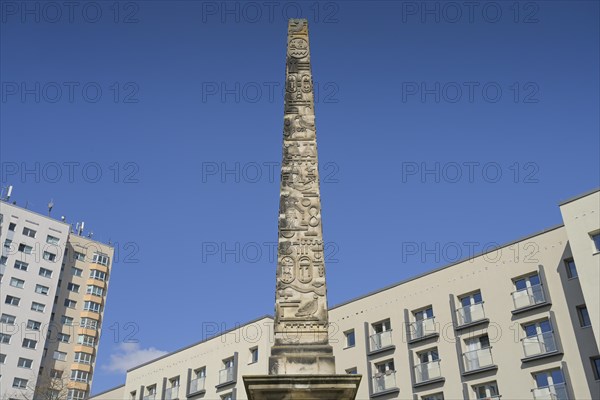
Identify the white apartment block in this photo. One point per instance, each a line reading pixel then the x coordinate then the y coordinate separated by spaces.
pixel 518 322
pixel 53 289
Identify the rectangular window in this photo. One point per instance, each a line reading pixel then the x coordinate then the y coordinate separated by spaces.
pixel 596 239
pixel 352 371
pixel 29 343
pixel 29 232
pixel 253 355
pixel 18 283
pixel 86 340
pixel 56 373
pixel 63 337
pixel 8 319
pixel 350 338
pixel 33 325
pixel 49 256
pixel 12 300
pixel 76 271
pixel 76 394
pixel 46 273
pixel 435 396
pixel 66 320
pixel 95 274
pixel 59 355
pixel 100 258
pixel 41 289
pixel 596 367
pixel 486 391
pixel 24 363
pixel 39 307
pixel 2 358
pixel 78 256
pixel 52 239
pixel 4 338
pixel 83 358
pixel 12 226
pixel 23 248
pixel 73 287
pixel 20 265
pixel 20 383
pixel 7 243
pixel 571 270
pixel 88 323
pixel 584 316
pixel 91 306
pixel 94 290
pixel 3 260
pixel 70 303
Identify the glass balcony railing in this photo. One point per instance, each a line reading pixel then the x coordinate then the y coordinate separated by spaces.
pixel 427 371
pixel 470 313
pixel 226 375
pixel 197 384
pixel 496 397
pixel 150 397
pixel 528 297
pixel 552 392
pixel 172 393
pixel 543 343
pixel 384 381
pixel 381 340
pixel 478 359
pixel 421 328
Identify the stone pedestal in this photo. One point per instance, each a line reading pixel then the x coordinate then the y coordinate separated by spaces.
pixel 301 387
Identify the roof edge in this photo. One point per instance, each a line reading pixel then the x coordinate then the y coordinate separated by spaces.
pixel 106 391
pixel 582 195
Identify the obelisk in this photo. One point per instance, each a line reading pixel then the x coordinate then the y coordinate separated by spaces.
pixel 302 365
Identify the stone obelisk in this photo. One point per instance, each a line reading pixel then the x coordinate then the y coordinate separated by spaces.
pixel 302 365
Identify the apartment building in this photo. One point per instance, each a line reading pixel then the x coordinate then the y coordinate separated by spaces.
pixel 53 289
pixel 512 323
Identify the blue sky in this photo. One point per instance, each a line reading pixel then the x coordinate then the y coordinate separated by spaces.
pixel 160 124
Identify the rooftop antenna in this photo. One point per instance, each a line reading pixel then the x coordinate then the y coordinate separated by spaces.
pixel 77 227
pixel 9 192
pixel 50 205
pixel 63 218
pixel 80 231
pixel 90 235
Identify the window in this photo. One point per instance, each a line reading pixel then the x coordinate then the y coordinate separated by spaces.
pixel 86 340
pixel 19 383
pixel 52 239
pixel 46 273
pixel 73 287
pixel 100 258
pixel 76 271
pixel 41 289
pixel 7 319
pixel 12 300
pixel 3 260
pixel 596 239
pixel 83 358
pixel 29 232
pixel 352 371
pixel 350 338
pixel 550 379
pixel 434 396
pixel 18 283
pixel 4 338
pixel 24 363
pixel 33 325
pixel 78 256
pixel 56 373
pixel 70 303
pixel 253 355
pixel 91 306
pixel 486 391
pixel 66 320
pixel 59 355
pixel 23 248
pixel 20 265
pixel 95 274
pixel 29 343
pixel 63 337
pixel 79 376
pixel 49 256
pixel 385 367
pixel 39 307
pixel 471 308
pixel 7 243
pixel 88 323
pixel 95 290
pixel 132 395
pixel 571 270
pixel 76 394
pixel 227 396
pixel 596 367
pixel 12 226
pixel 584 316
pixel 2 358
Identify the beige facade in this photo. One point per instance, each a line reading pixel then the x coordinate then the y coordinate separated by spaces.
pixel 505 323
pixel 61 286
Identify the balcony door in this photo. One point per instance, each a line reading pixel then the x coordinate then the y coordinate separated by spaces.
pixel 420 317
pixel 487 391
pixel 550 385
pixel 472 356
pixel 428 368
pixel 539 338
pixel 469 314
pixel 531 287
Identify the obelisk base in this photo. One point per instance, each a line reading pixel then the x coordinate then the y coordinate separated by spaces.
pixel 301 387
pixel 308 359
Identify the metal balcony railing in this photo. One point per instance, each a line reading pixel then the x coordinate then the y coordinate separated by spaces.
pixel 427 371
pixel 552 392
pixel 477 359
pixel 539 344
pixel 470 313
pixel 421 328
pixel 197 384
pixel 381 340
pixel 529 296
pixel 172 393
pixel 226 375
pixel 384 381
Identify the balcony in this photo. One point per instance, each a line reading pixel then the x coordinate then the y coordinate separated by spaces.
pixel 149 397
pixel 552 392
pixel 197 385
pixel 528 298
pixel 225 376
pixel 539 346
pixel 423 329
pixel 470 315
pixel 381 341
pixel 427 373
pixel 497 397
pixel 384 383
pixel 478 361
pixel 172 393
